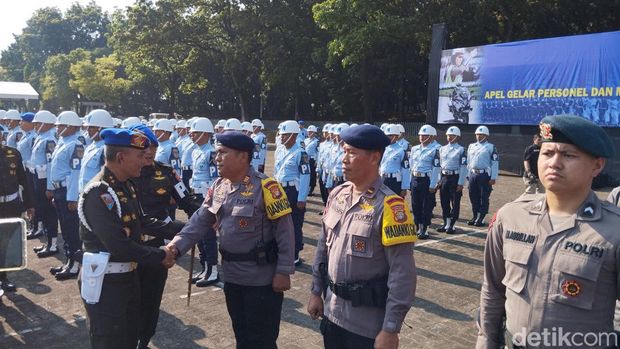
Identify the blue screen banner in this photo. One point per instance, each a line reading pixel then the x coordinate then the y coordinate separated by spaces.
pixel 519 83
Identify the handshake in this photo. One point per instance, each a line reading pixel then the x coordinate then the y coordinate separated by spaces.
pixel 171 254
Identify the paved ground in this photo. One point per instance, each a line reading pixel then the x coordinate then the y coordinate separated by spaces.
pixel 48 313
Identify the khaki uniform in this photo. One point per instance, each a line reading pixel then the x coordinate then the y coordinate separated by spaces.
pixel 547 277
pixel 614 197
pixel 351 246
pixel 241 218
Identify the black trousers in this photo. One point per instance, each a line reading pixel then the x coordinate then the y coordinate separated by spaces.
pixel 47 212
pixel 394 184
pixel 114 321
pixel 312 175
pixel 69 223
pixel 12 209
pixel 324 191
pixel 152 282
pixel 336 337
pixel 450 198
pixel 298 218
pixel 255 314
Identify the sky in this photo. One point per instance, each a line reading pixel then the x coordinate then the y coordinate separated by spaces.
pixel 15 14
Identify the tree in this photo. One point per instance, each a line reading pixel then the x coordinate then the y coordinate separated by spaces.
pixel 100 80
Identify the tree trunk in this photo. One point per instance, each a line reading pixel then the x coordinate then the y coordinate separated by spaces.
pixel 242 106
pixel 366 90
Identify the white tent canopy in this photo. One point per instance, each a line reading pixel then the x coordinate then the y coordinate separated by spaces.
pixel 17 90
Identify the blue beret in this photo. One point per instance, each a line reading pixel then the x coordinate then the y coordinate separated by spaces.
pixel 584 134
pixel 235 140
pixel 121 137
pixel 367 137
pixel 147 132
pixel 28 116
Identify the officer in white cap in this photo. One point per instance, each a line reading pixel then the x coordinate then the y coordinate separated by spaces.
pixel 483 166
pixel 311 145
pixel 259 138
pixel 453 160
pixel 322 155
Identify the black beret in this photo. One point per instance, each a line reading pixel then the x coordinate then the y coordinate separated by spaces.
pixel 235 140
pixel 367 137
pixel 572 129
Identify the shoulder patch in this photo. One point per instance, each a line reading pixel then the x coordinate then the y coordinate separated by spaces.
pixel 276 202
pixel 398 227
pixel 107 200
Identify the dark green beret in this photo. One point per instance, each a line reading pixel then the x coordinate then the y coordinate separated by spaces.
pixel 584 134
pixel 367 137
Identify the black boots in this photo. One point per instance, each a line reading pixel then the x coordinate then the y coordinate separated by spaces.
pixel 209 278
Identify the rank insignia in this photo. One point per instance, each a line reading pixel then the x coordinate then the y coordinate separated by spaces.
pixel 126 218
pixel 588 211
pixel 161 191
pixel 108 201
pixel 9 151
pixel 571 288
pixel 366 206
pixel 243 223
pixel 12 165
pixel 248 190
pixel 370 190
pixel 158 173
pixel 359 245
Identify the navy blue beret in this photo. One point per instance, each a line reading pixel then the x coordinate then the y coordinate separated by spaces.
pixel 146 131
pixel 28 116
pixel 367 137
pixel 235 140
pixel 121 137
pixel 572 129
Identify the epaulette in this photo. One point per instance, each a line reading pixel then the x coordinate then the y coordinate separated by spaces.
pixel 528 197
pixel 608 206
pixel 90 186
pixel 386 190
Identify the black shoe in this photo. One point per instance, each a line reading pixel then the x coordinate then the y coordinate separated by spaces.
pixel 480 224
pixel 210 277
pixel 70 271
pixel 8 286
pixel 39 248
pixel 298 262
pixel 442 229
pixel 47 251
pixel 56 270
pixel 472 221
pixel 422 233
pixel 33 234
pixel 451 230
pixel 199 275
pixel 143 344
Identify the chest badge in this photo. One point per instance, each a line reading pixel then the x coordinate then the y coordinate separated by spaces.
pixel 243 223
pixel 359 245
pixel 571 288
pixel 248 190
pixel 161 191
pixel 12 165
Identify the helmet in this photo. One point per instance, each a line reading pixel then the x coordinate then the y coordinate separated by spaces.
pixel 69 118
pixel 181 124
pixel 311 128
pixel 174 122
pixel 353 124
pixel 221 123
pixel 289 126
pixel 326 127
pixel 257 123
pixel 99 118
pixel 117 122
pixel 340 127
pixel 12 114
pixel 163 125
pixel 247 126
pixel 2 113
pixel 383 126
pixel 427 130
pixel 232 124
pixel 45 117
pixel 391 130
pixel 201 125
pixel 130 121
pixel 401 128
pixel 482 130
pixel 152 122
pixel 453 130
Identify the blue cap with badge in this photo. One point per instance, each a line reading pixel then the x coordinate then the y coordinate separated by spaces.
pixel 146 131
pixel 367 137
pixel 235 140
pixel 572 129
pixel 28 116
pixel 121 137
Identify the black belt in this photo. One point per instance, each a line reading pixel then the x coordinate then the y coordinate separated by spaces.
pixel 369 293
pixel 261 254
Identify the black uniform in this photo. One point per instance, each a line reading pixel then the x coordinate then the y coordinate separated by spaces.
pixel 114 320
pixel 12 175
pixel 155 187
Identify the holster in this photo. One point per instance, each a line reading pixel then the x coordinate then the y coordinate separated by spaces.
pixel 93 272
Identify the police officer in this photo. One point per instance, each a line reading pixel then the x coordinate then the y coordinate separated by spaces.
pixel 530 164
pixel 311 145
pixel 167 152
pixel 186 155
pixel 364 259
pixel 12 176
pixel 550 260
pixel 453 161
pixel 13 118
pixel 131 121
pixel 24 146
pixel 232 124
pixel 64 182
pixel 394 168
pixel 205 173
pixel 246 128
pixel 93 159
pixel 292 171
pixel 156 186
pixel 259 138
pixel 256 241
pixel 425 175
pixel 323 153
pixel 42 150
pixel 111 222
pixel 402 141
pixel 303 133
pixel 219 127
pixel 483 167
